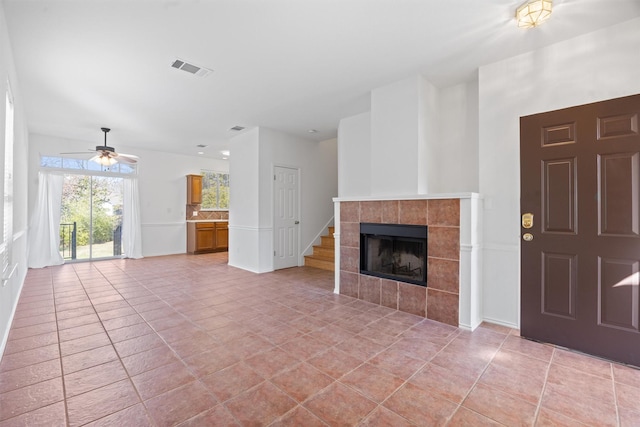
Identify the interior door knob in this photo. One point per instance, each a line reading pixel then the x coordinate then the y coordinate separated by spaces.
pixel 297 222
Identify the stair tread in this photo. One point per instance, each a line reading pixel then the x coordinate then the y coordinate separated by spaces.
pixel 319 256
pixel 323 254
pixel 319 263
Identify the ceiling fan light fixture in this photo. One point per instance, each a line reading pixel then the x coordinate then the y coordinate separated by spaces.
pixel 105 160
pixel 533 13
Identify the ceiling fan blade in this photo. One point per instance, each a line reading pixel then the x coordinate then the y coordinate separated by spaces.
pixel 80 152
pixel 127 158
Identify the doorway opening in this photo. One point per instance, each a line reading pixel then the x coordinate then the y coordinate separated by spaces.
pixel 91 217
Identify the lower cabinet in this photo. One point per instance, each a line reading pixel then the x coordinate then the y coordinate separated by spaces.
pixel 203 237
pixel 222 236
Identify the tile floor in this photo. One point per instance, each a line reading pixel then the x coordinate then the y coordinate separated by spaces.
pixel 189 341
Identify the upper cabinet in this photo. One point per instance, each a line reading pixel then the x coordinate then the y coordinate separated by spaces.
pixel 194 189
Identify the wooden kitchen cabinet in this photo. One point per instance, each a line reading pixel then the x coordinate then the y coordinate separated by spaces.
pixel 222 236
pixel 194 189
pixel 207 236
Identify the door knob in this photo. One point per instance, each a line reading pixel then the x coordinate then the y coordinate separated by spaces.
pixel 297 222
pixel 527 237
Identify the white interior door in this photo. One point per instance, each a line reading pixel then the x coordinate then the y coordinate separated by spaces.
pixel 286 222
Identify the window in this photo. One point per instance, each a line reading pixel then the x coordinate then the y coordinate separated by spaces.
pixel 215 190
pixel 58 162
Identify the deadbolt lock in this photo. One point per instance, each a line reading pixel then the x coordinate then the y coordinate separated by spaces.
pixel 527 220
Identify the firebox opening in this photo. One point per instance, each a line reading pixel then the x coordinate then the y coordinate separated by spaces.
pixel 394 251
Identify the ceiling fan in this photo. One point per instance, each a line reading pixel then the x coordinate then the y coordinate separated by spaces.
pixel 107 156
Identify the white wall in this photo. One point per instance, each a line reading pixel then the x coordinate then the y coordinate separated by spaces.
pixel 403 125
pixel 162 184
pixel 426 137
pixel 454 158
pixel 354 156
pixel 253 157
pixel 10 292
pixel 244 221
pixel 594 67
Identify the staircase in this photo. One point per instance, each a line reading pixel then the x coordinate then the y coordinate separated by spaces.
pixel 323 255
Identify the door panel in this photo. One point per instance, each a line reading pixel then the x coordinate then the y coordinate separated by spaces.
pixel 618 293
pixel 285 218
pixel 580 179
pixel 560 196
pixel 618 187
pixel 559 284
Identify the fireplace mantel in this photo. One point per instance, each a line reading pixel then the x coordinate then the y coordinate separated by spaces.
pixel 455 220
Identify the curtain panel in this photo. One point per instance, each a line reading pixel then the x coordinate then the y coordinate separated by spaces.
pixel 131 226
pixel 44 232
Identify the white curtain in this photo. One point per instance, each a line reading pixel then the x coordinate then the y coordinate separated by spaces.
pixel 131 229
pixel 44 233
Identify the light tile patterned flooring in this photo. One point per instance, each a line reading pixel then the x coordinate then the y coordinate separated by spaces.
pixel 190 341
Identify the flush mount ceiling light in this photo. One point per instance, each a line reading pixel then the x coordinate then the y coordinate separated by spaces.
pixel 533 13
pixel 225 153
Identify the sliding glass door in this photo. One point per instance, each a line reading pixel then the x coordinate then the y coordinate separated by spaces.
pixel 91 218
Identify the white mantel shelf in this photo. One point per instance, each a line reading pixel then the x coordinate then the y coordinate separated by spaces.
pixel 408 197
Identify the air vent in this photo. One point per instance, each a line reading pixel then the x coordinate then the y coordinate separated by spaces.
pixel 191 68
pixel 237 128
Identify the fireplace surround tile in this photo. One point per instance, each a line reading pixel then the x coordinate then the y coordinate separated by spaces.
pixel 369 289
pixel 389 293
pixel 350 259
pixel 390 212
pixel 412 299
pixel 350 234
pixel 413 211
pixel 442 306
pixel 349 283
pixel 443 274
pixel 444 242
pixel 350 211
pixel 371 212
pixel 444 212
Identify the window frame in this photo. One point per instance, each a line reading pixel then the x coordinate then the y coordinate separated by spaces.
pixel 204 185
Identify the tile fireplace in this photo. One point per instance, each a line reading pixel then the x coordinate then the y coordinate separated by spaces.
pixel 449 289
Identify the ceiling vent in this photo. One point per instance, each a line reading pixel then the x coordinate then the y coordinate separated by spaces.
pixel 191 68
pixel 237 128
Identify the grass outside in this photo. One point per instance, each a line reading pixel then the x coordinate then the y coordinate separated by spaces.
pixel 101 250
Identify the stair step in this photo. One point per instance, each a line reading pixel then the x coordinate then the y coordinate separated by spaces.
pixel 327 241
pixel 324 252
pixel 317 262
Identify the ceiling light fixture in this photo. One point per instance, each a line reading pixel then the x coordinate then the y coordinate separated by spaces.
pixel 105 160
pixel 312 131
pixel 225 153
pixel 533 13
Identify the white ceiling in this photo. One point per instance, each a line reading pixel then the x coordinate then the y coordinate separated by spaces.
pixel 291 65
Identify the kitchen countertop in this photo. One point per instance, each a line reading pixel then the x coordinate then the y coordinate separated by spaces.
pixel 207 220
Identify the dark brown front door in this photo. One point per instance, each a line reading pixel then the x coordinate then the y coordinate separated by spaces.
pixel 580 178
